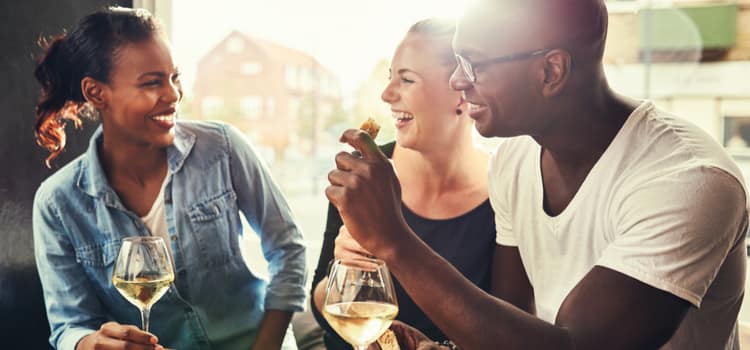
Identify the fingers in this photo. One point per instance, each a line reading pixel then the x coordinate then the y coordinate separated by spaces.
pixel 341 178
pixel 339 193
pixel 428 345
pixel 343 231
pixel 346 161
pixel 346 247
pixel 349 163
pixel 344 174
pixel 362 142
pixel 128 333
pixel 352 174
pixel 348 242
pixel 334 193
pixel 409 337
pixel 104 343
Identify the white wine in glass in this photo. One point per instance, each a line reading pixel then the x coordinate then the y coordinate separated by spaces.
pixel 143 273
pixel 360 301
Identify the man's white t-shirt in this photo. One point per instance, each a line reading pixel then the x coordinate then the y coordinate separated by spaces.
pixel 664 204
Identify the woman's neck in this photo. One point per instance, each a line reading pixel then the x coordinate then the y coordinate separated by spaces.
pixel 138 166
pixel 451 168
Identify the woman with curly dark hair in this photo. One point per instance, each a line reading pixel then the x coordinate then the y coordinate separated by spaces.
pixel 146 173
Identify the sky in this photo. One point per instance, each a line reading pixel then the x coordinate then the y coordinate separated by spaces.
pixel 347 36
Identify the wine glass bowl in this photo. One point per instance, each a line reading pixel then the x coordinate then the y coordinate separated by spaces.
pixel 360 301
pixel 143 273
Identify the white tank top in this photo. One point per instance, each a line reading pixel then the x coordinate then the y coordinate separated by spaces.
pixel 156 219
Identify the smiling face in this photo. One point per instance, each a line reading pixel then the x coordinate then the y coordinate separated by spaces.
pixel 504 98
pixel 423 104
pixel 525 96
pixel 142 95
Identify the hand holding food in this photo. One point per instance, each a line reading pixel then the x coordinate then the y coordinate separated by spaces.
pixel 365 190
pixel 371 127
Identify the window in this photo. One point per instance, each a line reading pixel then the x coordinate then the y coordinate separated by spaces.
pixel 737 142
pixel 270 107
pixel 293 108
pixel 290 76
pixel 305 78
pixel 330 86
pixel 251 107
pixel 212 106
pixel 235 45
pixel 737 134
pixel 251 68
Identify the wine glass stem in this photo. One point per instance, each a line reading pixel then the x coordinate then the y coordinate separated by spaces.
pixel 145 313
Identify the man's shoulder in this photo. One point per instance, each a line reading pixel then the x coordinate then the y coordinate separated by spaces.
pixel 666 144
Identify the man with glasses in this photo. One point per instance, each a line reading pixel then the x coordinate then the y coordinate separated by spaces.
pixel 620 226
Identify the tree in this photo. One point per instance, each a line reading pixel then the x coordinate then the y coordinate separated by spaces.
pixel 367 102
pixel 337 117
pixel 307 117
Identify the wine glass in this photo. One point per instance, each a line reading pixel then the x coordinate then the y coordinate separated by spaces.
pixel 143 273
pixel 360 302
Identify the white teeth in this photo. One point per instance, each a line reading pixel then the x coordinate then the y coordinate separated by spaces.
pixel 163 118
pixel 473 106
pixel 403 116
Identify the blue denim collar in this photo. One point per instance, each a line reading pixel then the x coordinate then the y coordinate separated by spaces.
pixel 92 179
pixel 180 149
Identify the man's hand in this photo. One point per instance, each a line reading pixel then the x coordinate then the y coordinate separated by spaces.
pixel 367 194
pixel 114 336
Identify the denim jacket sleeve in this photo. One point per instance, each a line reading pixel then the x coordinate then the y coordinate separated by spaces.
pixel 73 309
pixel 267 212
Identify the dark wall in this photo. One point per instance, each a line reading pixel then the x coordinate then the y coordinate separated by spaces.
pixel 23 324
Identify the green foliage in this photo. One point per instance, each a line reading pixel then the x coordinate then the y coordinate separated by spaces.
pixel 369 104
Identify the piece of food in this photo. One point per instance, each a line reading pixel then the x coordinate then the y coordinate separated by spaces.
pixel 388 341
pixel 371 127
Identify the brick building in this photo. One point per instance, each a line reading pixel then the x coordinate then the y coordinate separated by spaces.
pixel 279 96
pixel 692 57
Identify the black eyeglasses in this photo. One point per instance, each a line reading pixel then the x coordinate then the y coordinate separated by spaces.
pixel 468 67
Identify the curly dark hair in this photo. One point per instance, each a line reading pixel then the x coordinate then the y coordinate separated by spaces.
pixel 87 51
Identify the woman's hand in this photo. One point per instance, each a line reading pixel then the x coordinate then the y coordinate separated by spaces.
pixel 409 338
pixel 346 247
pixel 114 336
pixel 272 330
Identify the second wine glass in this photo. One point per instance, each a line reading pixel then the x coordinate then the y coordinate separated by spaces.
pixel 360 301
pixel 143 273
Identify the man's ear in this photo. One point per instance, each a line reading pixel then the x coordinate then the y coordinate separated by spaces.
pixel 94 92
pixel 557 65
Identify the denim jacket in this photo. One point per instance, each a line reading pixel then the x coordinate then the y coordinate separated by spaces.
pixel 215 301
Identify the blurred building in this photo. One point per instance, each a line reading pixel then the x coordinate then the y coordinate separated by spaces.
pixel 691 58
pixel 278 95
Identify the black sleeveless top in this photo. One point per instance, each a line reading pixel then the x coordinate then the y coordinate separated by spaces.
pixel 466 241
